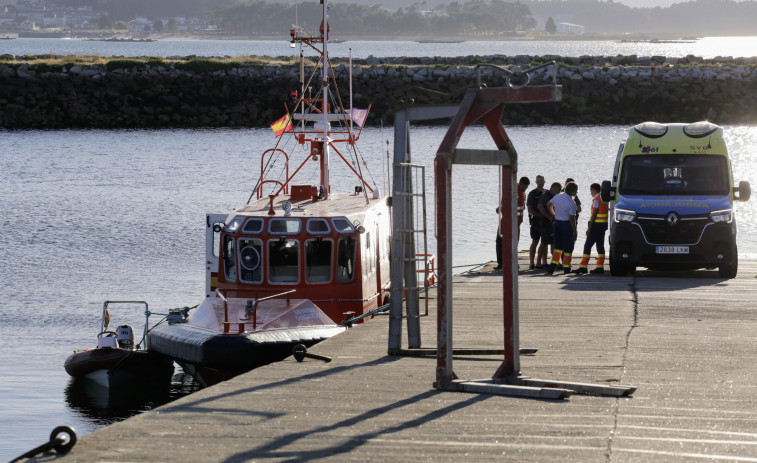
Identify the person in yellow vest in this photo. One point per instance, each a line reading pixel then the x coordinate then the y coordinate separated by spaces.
pixel 595 233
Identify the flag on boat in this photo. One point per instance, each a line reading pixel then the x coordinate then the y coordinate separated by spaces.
pixel 282 125
pixel 358 115
pixel 106 320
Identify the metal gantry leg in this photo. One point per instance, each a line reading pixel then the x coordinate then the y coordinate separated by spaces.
pixel 487 105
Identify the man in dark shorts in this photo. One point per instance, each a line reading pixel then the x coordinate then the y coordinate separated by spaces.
pixel 534 218
pixel 547 232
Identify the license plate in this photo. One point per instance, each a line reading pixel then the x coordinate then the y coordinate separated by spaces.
pixel 672 249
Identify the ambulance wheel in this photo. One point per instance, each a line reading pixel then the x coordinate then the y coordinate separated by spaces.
pixel 729 270
pixel 617 269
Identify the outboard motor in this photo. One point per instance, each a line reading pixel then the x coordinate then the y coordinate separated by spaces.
pixel 125 337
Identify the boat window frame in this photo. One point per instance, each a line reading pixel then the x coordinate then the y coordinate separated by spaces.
pixel 234 224
pixel 270 254
pixel 354 258
pixel 341 231
pixel 318 220
pixel 331 260
pixel 252 220
pixel 368 260
pixel 229 271
pixel 284 219
pixel 261 264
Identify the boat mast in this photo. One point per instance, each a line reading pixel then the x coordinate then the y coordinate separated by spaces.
pixel 325 152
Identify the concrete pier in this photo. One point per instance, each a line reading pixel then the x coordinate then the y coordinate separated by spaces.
pixel 687 340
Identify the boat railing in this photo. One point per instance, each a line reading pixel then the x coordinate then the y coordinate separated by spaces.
pixel 275 182
pixel 268 154
pixel 252 306
pixel 250 310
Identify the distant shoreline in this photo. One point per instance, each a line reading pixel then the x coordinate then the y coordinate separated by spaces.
pixel 630 38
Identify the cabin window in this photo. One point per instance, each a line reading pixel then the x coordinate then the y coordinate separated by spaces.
pixel 369 253
pixel 345 259
pixel 283 260
pixel 318 226
pixel 253 226
pixel 343 225
pixel 318 258
pixel 250 260
pixel 284 226
pixel 229 259
pixel 385 236
pixel 233 226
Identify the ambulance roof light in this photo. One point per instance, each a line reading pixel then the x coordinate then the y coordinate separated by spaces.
pixel 651 129
pixel 700 129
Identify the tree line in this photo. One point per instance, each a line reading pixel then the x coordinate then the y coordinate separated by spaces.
pixel 431 17
pixel 477 17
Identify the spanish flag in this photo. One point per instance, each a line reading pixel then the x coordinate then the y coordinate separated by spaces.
pixel 282 125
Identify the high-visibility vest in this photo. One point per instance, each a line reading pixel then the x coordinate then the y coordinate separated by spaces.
pixel 601 208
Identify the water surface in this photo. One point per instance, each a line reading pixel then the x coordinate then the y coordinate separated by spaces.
pixel 90 215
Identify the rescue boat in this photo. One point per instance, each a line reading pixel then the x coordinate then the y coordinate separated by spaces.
pixel 116 360
pixel 288 266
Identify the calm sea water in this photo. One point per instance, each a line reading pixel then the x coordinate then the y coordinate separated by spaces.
pixel 707 47
pixel 92 215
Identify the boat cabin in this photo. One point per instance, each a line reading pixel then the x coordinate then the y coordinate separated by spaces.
pixel 334 252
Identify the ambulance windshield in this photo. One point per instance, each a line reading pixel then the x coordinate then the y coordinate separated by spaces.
pixel 665 174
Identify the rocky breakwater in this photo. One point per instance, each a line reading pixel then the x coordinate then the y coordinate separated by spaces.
pixel 214 93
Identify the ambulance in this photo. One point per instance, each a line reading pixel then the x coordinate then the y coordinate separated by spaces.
pixel 671 200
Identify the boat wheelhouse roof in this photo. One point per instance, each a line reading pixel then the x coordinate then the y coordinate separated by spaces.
pixel 352 206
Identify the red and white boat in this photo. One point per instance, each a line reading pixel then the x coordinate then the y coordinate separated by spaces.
pixel 294 261
pixel 117 360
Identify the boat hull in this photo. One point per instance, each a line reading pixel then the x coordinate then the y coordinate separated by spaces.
pixel 257 333
pixel 232 353
pixel 106 365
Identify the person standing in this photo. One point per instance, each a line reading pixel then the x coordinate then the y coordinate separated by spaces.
pixel 563 210
pixel 522 187
pixel 521 205
pixel 534 220
pixel 575 198
pixel 595 233
pixel 547 223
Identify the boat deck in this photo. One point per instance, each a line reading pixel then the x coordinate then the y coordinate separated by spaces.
pixel 348 205
pixel 686 341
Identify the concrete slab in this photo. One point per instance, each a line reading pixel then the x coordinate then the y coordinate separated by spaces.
pixel 685 340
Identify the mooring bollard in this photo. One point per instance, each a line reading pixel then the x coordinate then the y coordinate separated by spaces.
pixel 61 439
pixel 300 352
